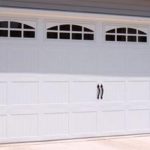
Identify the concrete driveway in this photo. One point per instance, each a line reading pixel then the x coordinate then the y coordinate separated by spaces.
pixel 120 143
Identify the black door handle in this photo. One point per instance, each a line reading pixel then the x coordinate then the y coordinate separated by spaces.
pixel 102 91
pixel 98 91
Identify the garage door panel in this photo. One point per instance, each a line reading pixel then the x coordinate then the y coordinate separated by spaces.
pixel 3 110
pixel 112 122
pixel 22 59
pixel 83 92
pixel 53 60
pixel 3 126
pixel 25 125
pixel 138 91
pixel 54 124
pixel 3 59
pixel 138 120
pixel 114 91
pixel 83 60
pixel 3 93
pixel 83 123
pixel 50 108
pixel 23 93
pixel 138 61
pixel 54 92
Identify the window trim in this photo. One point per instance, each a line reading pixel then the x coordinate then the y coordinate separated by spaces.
pixel 83 25
pixel 22 29
pixel 138 28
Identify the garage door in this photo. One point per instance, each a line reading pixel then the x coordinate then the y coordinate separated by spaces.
pixel 47 108
pixel 66 85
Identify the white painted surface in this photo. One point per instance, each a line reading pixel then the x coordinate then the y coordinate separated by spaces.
pixel 48 88
pixel 71 109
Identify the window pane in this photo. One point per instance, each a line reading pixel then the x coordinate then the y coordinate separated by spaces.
pixel 65 27
pixel 15 33
pixel 88 37
pixel 4 24
pixel 64 35
pixel 131 31
pixel 141 32
pixel 29 34
pixel 3 33
pixel 88 30
pixel 15 25
pixel 121 38
pixel 76 28
pixel 52 35
pixel 132 38
pixel 53 28
pixel 76 36
pixel 111 31
pixel 142 39
pixel 27 27
pixel 110 37
pixel 121 30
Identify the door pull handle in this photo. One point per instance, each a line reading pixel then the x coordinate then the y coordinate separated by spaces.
pixel 102 91
pixel 98 91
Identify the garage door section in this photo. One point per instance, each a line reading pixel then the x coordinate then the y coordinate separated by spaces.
pixel 84 108
pixel 113 108
pixel 45 109
pixel 138 114
pixel 35 105
pixel 37 109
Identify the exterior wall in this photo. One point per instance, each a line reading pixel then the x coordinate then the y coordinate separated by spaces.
pixel 120 7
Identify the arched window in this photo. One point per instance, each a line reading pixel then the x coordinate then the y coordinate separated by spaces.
pixel 126 35
pixel 15 29
pixel 67 32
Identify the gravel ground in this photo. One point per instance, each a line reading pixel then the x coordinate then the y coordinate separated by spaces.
pixel 121 143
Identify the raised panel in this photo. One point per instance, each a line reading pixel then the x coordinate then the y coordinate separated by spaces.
pixel 83 123
pixel 23 125
pixel 138 91
pixel 54 92
pixel 3 59
pixel 54 124
pixel 3 93
pixel 114 91
pixel 22 58
pixel 138 120
pixel 54 59
pixel 2 126
pixel 113 122
pixel 83 92
pixel 23 93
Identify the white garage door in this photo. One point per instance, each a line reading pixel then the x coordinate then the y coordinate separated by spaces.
pixel 53 89
pixel 46 108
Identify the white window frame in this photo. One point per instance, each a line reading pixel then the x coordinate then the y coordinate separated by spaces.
pixel 108 26
pixel 31 23
pixel 52 23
